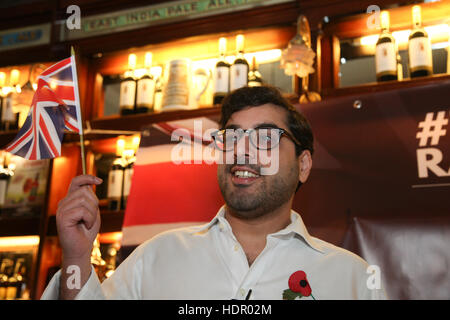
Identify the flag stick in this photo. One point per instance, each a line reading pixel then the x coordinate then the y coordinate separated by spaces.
pixel 78 108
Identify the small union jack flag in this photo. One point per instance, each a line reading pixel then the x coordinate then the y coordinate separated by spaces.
pixel 55 107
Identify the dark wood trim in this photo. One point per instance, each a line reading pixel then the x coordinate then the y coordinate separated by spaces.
pixel 139 121
pixel 19 226
pixel 42 233
pixel 384 86
pixel 277 15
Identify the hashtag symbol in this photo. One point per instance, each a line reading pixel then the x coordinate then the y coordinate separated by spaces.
pixel 432 128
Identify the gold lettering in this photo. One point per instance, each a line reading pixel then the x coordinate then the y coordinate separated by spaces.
pixel 211 4
pixel 155 14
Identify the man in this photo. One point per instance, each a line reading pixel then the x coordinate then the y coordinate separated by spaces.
pixel 255 248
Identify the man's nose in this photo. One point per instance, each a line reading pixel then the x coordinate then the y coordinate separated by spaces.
pixel 244 151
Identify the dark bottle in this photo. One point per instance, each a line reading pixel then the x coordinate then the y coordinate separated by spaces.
pixel 5 269
pixel 385 52
pixel 10 120
pixel 145 88
pixel 157 100
pixel 127 176
pixel 239 69
pixel 115 185
pixel 221 74
pixel 128 88
pixel 16 282
pixel 5 176
pixel 419 48
pixel 254 77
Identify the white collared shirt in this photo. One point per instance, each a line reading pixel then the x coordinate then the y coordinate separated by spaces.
pixel 207 262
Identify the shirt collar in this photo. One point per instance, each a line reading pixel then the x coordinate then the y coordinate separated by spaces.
pixel 295 228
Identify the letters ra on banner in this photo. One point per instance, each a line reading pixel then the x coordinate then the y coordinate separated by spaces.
pixel 433 150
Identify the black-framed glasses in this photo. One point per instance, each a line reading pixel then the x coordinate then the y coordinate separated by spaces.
pixel 261 138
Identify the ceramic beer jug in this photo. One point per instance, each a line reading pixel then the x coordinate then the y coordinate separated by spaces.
pixel 183 85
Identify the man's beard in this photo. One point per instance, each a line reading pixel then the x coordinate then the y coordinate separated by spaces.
pixel 270 193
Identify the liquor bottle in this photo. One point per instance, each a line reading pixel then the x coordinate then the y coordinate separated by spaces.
pixel 22 292
pixel 127 176
pixel 221 74
pixel 16 281
pixel 128 88
pixel 5 176
pixel 239 68
pixel 419 48
pixel 254 77
pixel 4 276
pixel 115 185
pixel 157 104
pixel 10 120
pixel 145 88
pixel 386 53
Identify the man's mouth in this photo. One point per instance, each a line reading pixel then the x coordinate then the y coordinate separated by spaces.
pixel 243 175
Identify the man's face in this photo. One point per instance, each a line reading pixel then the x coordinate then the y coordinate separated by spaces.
pixel 250 196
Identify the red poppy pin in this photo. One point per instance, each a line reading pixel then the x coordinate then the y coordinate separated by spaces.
pixel 298 286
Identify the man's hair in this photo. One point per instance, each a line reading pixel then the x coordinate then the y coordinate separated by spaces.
pixel 246 97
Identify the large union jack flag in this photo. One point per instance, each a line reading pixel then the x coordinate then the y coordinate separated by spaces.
pixel 55 107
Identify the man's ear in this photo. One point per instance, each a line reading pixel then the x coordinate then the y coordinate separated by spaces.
pixel 304 165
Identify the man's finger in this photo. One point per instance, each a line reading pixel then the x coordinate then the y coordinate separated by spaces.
pixel 83 191
pixel 82 180
pixel 79 215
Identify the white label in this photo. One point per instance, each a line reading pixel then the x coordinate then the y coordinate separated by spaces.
pixel 238 76
pixel 7 112
pixel 420 52
pixel 127 181
pixel 385 57
pixel 145 92
pixel 127 93
pixel 221 79
pixel 3 185
pixel 115 178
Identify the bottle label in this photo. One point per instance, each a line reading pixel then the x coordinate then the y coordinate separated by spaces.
pixel 3 185
pixel 145 92
pixel 7 112
pixel 115 179
pixel 386 58
pixel 127 94
pixel 420 53
pixel 128 174
pixel 221 79
pixel 238 76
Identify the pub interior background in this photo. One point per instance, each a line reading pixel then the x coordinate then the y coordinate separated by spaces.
pixel 380 182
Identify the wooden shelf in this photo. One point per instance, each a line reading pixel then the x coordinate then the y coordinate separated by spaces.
pixel 384 86
pixel 138 121
pixel 19 226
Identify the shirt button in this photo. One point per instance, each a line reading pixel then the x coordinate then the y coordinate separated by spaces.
pixel 236 247
pixel 242 292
